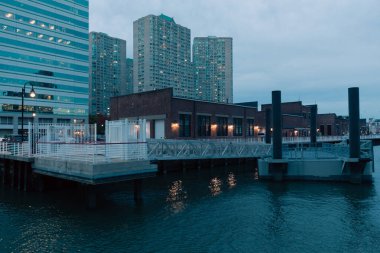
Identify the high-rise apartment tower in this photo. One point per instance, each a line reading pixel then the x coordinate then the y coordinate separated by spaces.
pixel 162 56
pixel 108 77
pixel 212 59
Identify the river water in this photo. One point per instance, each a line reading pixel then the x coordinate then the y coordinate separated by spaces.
pixel 219 210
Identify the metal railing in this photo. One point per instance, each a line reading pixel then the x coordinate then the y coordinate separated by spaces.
pixel 174 149
pixel 326 151
pixel 192 149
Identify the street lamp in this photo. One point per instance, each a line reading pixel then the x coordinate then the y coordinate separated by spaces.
pixel 32 94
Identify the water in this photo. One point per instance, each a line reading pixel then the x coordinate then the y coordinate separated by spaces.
pixel 223 210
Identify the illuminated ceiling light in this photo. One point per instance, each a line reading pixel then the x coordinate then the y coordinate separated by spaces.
pixel 68 42
pixel 51 38
pixel 51 27
pixel 5 27
pixel 18 30
pixel 8 15
pixel 43 25
pixel 32 22
pixel 59 40
pixel 40 36
pixel 29 33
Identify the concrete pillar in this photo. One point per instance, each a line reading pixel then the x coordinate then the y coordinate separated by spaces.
pixel 313 124
pixel 137 183
pixel 277 124
pixel 268 134
pixel 354 122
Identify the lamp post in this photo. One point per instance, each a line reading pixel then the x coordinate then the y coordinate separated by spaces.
pixel 32 94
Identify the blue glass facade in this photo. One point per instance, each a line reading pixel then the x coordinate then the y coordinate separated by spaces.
pixel 43 43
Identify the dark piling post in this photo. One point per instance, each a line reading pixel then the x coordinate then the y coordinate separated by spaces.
pixel 313 124
pixel 137 183
pixel 353 110
pixel 90 196
pixel 268 133
pixel 277 124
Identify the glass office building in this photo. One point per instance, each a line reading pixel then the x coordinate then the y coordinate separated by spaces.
pixel 43 44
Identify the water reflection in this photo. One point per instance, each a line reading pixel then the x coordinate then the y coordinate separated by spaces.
pixel 231 180
pixel 215 186
pixel 177 196
pixel 256 174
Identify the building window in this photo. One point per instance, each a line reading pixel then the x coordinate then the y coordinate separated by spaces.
pixel 222 126
pixel 238 127
pixel 204 125
pixel 64 121
pixel 27 120
pixel 322 129
pixel 184 125
pixel 250 127
pixel 45 120
pixel 6 120
pixel 329 130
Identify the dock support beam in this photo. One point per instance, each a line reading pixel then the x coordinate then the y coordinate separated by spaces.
pixel 277 124
pixel 91 196
pixel 355 164
pixel 268 134
pixel 354 122
pixel 277 167
pixel 137 183
pixel 313 125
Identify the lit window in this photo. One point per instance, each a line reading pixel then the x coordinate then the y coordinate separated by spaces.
pixel 8 15
pixel 40 36
pixel 32 22
pixel 51 27
pixel 29 33
pixel 43 25
pixel 68 42
pixel 51 38
pixel 59 41
pixel 5 27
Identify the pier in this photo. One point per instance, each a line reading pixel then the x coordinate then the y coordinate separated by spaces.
pixel 71 152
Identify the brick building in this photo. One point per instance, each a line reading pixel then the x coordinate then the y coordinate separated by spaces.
pixel 171 117
pixel 295 118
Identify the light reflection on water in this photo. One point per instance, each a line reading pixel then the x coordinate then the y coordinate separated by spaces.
pixel 231 180
pixel 181 214
pixel 215 186
pixel 176 196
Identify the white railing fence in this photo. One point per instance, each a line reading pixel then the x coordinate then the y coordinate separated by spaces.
pixel 93 152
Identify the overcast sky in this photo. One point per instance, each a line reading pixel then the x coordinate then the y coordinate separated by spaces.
pixel 311 50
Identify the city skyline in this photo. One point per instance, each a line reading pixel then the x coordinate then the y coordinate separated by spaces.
pixel 311 51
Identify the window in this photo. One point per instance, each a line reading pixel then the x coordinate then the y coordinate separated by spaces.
pixel 64 121
pixel 45 120
pixel 222 123
pixel 204 125
pixel 6 120
pixel 238 127
pixel 184 125
pixel 329 130
pixel 250 127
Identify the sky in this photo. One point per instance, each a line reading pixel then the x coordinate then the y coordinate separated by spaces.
pixel 311 50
